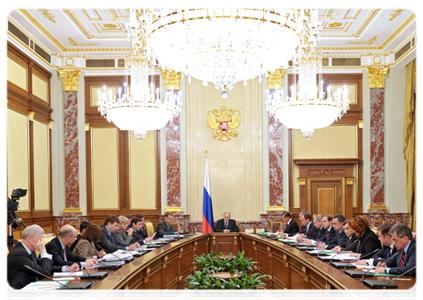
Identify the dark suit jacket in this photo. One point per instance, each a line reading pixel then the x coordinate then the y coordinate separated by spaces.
pixel 138 236
pixel 19 276
pixel 311 233
pixel 324 235
pixel 78 238
pixel 349 244
pixel 55 248
pixel 383 254
pixel 162 228
pixel 109 242
pixel 292 227
pixel 220 226
pixel 410 261
pixel 338 239
pixel 368 242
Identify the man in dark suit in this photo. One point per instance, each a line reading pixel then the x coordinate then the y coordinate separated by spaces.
pixel 143 231
pixel 291 226
pixel 388 247
pixel 82 227
pixel 108 240
pixel 309 231
pixel 165 225
pixel 23 254
pixel 339 238
pixel 404 242
pixel 59 248
pixel 138 235
pixel 318 223
pixel 226 224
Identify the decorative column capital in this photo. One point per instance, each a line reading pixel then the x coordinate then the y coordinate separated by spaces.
pixel 172 79
pixel 275 78
pixel 70 80
pixel 377 77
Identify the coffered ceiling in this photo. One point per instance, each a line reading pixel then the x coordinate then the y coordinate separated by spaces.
pixel 102 31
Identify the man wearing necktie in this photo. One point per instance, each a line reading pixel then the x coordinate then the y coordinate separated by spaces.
pixel 226 224
pixel 165 225
pixel 138 234
pixel 402 238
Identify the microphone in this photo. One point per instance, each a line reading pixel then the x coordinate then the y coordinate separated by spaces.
pixel 109 252
pixel 19 295
pixel 80 250
pixel 398 277
pixel 366 255
pixel 365 273
pixel 39 273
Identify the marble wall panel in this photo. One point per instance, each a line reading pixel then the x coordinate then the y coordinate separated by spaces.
pixel 275 163
pixel 173 163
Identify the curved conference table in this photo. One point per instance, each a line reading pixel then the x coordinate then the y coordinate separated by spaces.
pixel 288 267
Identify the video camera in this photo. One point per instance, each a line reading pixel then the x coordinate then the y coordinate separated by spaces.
pixel 12 207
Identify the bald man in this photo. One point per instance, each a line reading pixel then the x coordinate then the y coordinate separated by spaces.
pixel 59 248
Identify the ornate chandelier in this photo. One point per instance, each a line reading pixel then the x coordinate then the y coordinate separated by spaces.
pixel 138 107
pixel 224 46
pixel 308 108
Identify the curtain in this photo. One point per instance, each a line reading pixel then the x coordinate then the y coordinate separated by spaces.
pixel 409 140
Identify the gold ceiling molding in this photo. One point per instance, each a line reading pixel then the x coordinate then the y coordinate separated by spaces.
pixel 367 21
pixel 98 18
pixel 377 77
pixel 400 29
pixel 70 80
pixel 47 14
pixel 335 25
pixel 395 14
pixel 346 17
pixel 40 27
pixel 75 43
pixel 172 79
pixel 117 15
pixel 84 30
pixel 110 27
pixel 126 50
pixel 275 79
pixel 368 42
pixel 328 14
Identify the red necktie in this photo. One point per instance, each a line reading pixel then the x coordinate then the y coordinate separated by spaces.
pixel 327 237
pixel 402 259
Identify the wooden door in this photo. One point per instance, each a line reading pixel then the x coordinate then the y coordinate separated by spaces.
pixel 326 197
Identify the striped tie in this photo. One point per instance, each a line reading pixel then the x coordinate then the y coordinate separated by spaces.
pixel 402 259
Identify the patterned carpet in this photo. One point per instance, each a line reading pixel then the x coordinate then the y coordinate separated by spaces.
pixel 266 295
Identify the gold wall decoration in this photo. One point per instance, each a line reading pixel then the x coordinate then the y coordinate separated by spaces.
pixel 221 123
pixel 87 126
pixel 110 26
pixel 47 14
pixel 302 181
pixel 31 116
pixel 395 14
pixel 377 77
pixel 350 181
pixel 172 79
pixel 360 124
pixel 335 24
pixel 275 79
pixel 70 80
pixel 75 43
pixel 368 42
pixel 377 60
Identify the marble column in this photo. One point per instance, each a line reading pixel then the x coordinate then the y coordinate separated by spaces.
pixel 275 81
pixel 72 211
pixel 377 130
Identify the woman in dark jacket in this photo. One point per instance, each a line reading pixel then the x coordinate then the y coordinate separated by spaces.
pixel 368 240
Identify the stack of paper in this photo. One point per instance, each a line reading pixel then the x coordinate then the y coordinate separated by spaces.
pixel 68 274
pixel 44 285
pixel 118 255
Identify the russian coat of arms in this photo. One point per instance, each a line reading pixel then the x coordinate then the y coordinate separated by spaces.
pixel 223 122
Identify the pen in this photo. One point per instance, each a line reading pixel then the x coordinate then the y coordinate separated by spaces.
pixel 403 279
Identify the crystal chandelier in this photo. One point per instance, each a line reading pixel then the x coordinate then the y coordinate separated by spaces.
pixel 138 107
pixel 224 46
pixel 308 108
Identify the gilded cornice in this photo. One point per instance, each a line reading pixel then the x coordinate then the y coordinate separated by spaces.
pixel 377 77
pixel 399 30
pixel 275 79
pixel 363 26
pixel 70 80
pixel 172 79
pixel 90 18
pixel 353 17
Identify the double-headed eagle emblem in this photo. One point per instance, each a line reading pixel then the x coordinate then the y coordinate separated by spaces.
pixel 222 123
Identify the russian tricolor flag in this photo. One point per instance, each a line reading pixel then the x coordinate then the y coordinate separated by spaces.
pixel 208 222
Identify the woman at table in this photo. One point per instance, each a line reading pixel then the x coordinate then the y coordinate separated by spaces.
pixel 368 240
pixel 85 247
pixel 124 233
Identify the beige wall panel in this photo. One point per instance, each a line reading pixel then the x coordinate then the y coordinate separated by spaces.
pixel 96 89
pixel 17 155
pixel 236 175
pixel 39 88
pixel 41 166
pixel 143 173
pixel 330 142
pixel 17 74
pixel 105 168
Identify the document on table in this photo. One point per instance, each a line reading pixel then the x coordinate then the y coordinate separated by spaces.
pixel 343 256
pixel 44 285
pixel 67 274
